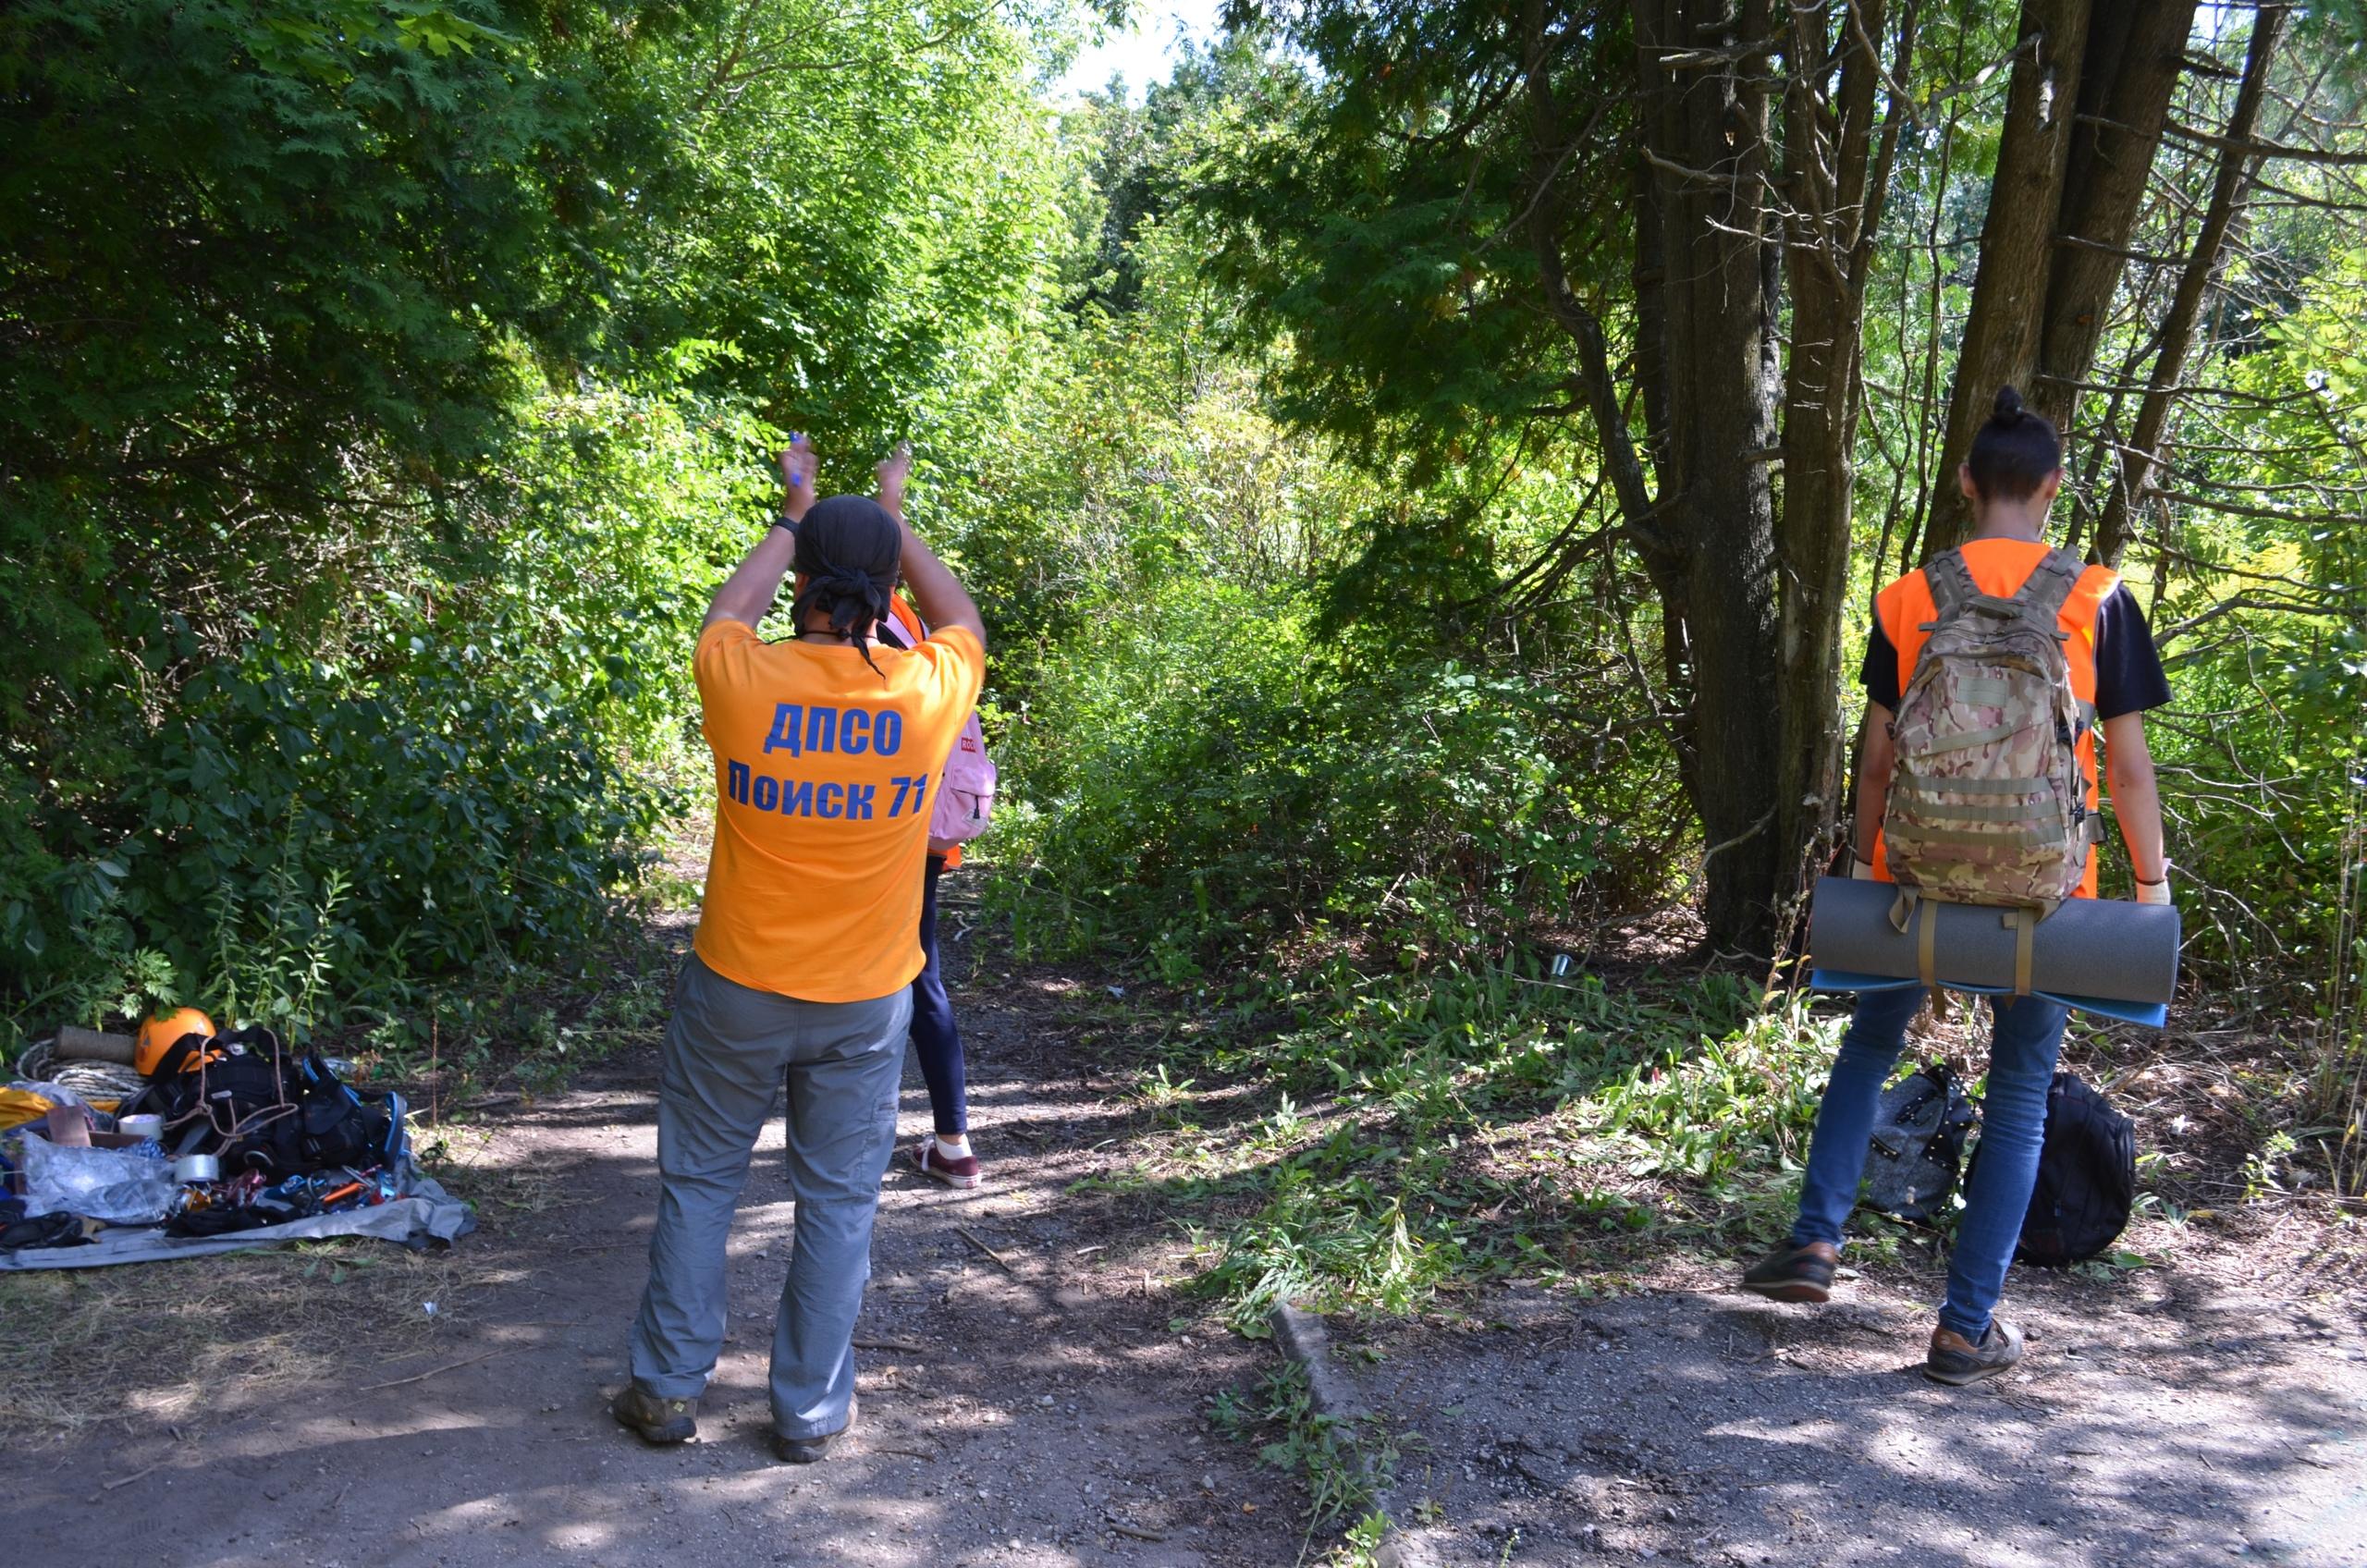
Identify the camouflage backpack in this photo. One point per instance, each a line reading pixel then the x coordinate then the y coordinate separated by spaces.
pixel 1987 803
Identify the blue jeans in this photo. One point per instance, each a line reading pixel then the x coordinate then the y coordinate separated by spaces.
pixel 936 1040
pixel 2021 1067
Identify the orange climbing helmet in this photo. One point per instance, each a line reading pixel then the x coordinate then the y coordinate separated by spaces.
pixel 163 1032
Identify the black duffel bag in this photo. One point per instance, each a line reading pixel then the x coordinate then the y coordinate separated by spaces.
pixel 247 1099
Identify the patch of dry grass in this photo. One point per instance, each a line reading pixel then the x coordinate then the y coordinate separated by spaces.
pixel 163 1343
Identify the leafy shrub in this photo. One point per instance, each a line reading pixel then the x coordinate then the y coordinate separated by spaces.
pixel 466 763
pixel 2263 756
pixel 452 794
pixel 379 384
pixel 1216 775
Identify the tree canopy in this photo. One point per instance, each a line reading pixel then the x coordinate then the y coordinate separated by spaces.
pixel 1427 466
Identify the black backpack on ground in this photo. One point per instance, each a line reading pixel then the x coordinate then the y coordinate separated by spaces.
pixel 263 1108
pixel 2087 1178
pixel 1918 1144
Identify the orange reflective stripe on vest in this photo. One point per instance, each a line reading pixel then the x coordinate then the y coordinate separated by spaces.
pixel 2000 567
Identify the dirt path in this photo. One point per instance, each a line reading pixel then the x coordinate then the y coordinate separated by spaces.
pixel 2157 1426
pixel 1046 1413
pixel 1037 1390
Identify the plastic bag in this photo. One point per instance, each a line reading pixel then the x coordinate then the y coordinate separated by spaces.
pixel 120 1186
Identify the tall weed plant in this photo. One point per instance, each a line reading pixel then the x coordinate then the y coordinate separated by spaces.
pixel 1481 1120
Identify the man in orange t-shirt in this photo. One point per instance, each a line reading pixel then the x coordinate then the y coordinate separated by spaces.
pixel 826 749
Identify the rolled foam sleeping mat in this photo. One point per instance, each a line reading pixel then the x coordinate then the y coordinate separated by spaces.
pixel 77 1043
pixel 2107 947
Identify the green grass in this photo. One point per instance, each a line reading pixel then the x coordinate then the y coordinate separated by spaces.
pixel 1378 1146
pixel 1345 1465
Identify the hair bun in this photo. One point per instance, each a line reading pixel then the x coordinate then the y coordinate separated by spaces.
pixel 2009 404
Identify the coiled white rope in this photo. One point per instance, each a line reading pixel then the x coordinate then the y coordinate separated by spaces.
pixel 92 1080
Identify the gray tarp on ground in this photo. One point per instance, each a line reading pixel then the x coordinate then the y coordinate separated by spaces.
pixel 425 1213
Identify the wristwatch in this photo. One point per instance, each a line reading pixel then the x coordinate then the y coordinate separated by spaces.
pixel 785 522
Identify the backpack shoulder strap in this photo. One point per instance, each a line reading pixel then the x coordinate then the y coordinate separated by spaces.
pixel 176 1056
pixel 909 626
pixel 2048 587
pixel 1951 583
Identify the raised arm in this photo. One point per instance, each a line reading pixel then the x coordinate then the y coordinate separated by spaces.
pixel 936 594
pixel 2137 801
pixel 748 593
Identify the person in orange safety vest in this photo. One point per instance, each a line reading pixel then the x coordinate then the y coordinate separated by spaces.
pixel 2011 477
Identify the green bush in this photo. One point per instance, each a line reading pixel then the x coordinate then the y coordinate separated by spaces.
pixel 380 410
pixel 2263 758
pixel 450 794
pixel 465 762
pixel 1213 774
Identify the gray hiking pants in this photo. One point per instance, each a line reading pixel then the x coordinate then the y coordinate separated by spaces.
pixel 726 1050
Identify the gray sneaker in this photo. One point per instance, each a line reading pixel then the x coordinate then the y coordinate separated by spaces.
pixel 1955 1361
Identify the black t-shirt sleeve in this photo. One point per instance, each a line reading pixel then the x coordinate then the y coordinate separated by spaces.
pixel 2128 667
pixel 1879 674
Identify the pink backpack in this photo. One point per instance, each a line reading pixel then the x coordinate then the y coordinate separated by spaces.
pixel 965 796
pixel 965 793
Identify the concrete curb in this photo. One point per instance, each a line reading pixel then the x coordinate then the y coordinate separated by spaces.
pixel 1301 1338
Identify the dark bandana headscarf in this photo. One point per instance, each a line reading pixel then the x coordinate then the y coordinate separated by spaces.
pixel 848 551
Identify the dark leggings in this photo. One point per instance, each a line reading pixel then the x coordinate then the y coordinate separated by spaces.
pixel 935 1039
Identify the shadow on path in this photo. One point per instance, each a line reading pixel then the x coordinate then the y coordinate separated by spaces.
pixel 1036 1411
pixel 1709 1426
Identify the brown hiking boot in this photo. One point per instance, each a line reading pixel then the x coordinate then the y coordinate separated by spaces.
pixel 1955 1361
pixel 808 1450
pixel 1795 1273
pixel 802 1451
pixel 661 1422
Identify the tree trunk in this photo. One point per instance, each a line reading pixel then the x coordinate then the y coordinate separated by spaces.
pixel 1640 514
pixel 1705 136
pixel 1751 609
pixel 2001 334
pixel 2089 93
pixel 1835 183
pixel 2142 448
pixel 2134 54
